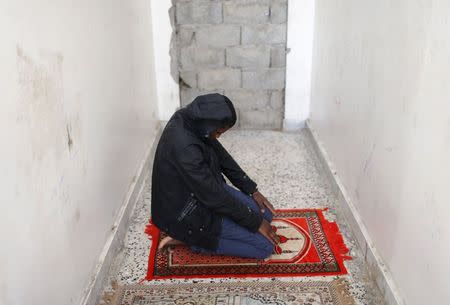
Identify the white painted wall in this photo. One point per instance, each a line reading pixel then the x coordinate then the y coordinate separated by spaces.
pixel 381 107
pixel 82 68
pixel 298 63
pixel 167 89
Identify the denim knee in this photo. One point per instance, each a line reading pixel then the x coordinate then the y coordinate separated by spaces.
pixel 266 250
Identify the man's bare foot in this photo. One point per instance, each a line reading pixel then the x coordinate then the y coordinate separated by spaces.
pixel 167 242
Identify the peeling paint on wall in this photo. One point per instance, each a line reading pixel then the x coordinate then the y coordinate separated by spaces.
pixel 389 66
pixel 78 109
pixel 41 105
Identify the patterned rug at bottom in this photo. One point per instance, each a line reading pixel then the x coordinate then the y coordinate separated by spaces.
pixel 333 292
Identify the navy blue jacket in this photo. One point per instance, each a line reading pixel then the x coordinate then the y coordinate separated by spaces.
pixel 188 197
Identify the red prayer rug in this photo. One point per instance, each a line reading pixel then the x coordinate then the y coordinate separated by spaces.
pixel 310 245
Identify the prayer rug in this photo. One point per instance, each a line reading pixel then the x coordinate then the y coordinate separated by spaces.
pixel 310 245
pixel 275 293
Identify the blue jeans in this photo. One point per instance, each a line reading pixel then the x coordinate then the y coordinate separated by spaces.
pixel 235 240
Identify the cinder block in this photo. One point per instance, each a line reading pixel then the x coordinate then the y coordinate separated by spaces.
pixel 264 33
pixel 260 119
pixel 237 48
pixel 278 12
pixel 239 12
pixel 185 35
pixel 249 99
pixel 192 58
pixel 189 78
pixel 238 119
pixel 264 79
pixel 187 95
pixel 249 56
pixel 218 36
pixel 278 57
pixel 198 12
pixel 277 100
pixel 219 79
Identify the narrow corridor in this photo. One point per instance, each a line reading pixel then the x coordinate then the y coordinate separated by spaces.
pixel 289 173
pixel 86 87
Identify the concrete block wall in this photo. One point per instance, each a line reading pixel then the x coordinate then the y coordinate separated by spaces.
pixel 236 48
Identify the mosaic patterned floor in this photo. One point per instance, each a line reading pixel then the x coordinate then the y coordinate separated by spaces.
pixel 287 171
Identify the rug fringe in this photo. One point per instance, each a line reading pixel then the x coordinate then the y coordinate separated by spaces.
pixel 335 238
pixel 153 233
pixel 111 297
pixel 342 292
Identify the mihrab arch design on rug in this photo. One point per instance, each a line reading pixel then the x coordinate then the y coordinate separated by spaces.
pixel 310 246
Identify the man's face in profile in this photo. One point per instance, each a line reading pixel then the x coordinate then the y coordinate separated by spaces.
pixel 218 132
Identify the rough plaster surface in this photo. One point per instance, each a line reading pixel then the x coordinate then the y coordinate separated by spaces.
pixel 168 90
pixel 298 63
pixel 229 45
pixel 380 106
pixel 288 173
pixel 75 120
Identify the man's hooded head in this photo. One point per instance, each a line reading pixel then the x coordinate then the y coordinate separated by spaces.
pixel 210 112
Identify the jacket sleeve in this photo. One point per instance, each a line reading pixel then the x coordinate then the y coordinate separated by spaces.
pixel 201 181
pixel 233 171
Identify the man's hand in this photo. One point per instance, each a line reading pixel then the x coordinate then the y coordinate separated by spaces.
pixel 262 202
pixel 266 230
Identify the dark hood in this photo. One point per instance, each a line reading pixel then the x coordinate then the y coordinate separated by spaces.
pixel 210 112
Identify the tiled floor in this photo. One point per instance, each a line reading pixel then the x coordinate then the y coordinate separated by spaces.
pixel 287 171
